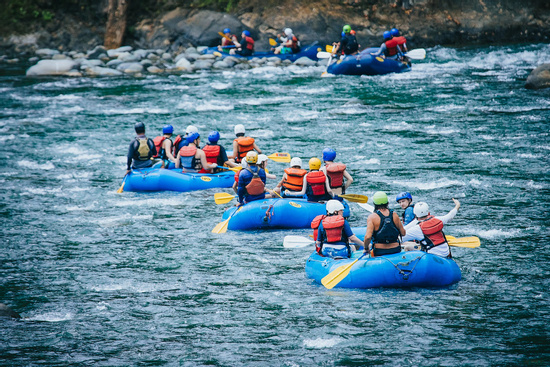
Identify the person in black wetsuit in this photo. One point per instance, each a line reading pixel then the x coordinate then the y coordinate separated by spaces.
pixel 141 150
pixel 348 43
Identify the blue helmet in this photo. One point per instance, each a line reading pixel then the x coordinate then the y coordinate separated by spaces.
pixel 214 136
pixel 329 154
pixel 343 34
pixel 246 33
pixel 404 195
pixel 227 30
pixel 394 32
pixel 139 127
pixel 387 35
pixel 192 137
pixel 168 129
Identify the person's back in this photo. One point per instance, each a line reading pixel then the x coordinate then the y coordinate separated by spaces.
pixel 243 144
pixel 141 150
pixel 336 172
pixel 251 185
pixel 246 45
pixel 216 153
pixel 317 187
pixel 401 41
pixel 191 158
pixel 293 178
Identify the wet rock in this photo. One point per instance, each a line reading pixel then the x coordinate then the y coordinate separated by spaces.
pixel 96 52
pixel 128 57
pixel 117 51
pixel 539 78
pixel 146 63
pixel 166 56
pixel 207 57
pixel 242 66
pixel 203 64
pixel 183 64
pixel 305 61
pixel 77 55
pixel 130 67
pixel 274 59
pixel 12 61
pixel 114 63
pixel 154 70
pixel 60 57
pixel 73 73
pixel 51 67
pixel 286 62
pixel 6 311
pixel 179 57
pixel 46 53
pixel 142 54
pixel 192 57
pixel 33 60
pixel 221 65
pixel 191 50
pixel 100 71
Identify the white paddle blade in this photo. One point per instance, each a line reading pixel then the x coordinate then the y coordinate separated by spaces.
pixel 296 241
pixel 416 54
pixel 323 55
pixel 367 207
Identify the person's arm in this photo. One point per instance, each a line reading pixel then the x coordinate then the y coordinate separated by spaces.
pixel 298 193
pixel 399 225
pixel 204 162
pixel 152 148
pixel 241 188
pixel 280 184
pixel 449 216
pixel 167 145
pixel 380 50
pixel 321 235
pixel 131 151
pixel 413 233
pixel 349 179
pixel 351 236
pixel 257 149
pixel 368 232
pixel 399 52
pixel 178 160
pixel 327 187
pixel 235 150
pixel 234 187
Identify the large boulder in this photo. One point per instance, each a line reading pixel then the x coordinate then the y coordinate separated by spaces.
pixel 51 67
pixel 539 78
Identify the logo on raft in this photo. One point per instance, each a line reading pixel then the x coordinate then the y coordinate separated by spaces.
pixel 206 178
pixel 296 205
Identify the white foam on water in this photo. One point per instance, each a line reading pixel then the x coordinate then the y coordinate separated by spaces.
pixel 267 71
pixel 437 130
pixel 307 90
pixel 74 208
pixel 114 221
pixel 505 160
pixel 423 185
pixel 301 115
pixel 321 343
pixel 52 317
pixel 496 233
pixel 529 155
pixel 214 106
pixel 102 306
pixel 68 97
pixel 36 191
pixel 72 109
pixel 4 138
pixel 34 165
pixel 221 86
pixel 163 86
pixel 531 184
pixel 399 126
pixel 475 182
pixel 368 161
pixel 152 202
pixel 137 111
pixel 74 175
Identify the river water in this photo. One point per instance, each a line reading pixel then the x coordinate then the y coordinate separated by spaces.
pixel 111 279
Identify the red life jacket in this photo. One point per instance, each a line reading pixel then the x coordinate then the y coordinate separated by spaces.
pixel 315 225
pixel 334 226
pixel 187 157
pixel 158 144
pixel 256 185
pixel 391 47
pixel 244 145
pixel 176 144
pixel 212 152
pixel 335 173
pixel 400 40
pixel 228 42
pixel 249 43
pixel 433 229
pixel 295 44
pixel 294 179
pixel 316 180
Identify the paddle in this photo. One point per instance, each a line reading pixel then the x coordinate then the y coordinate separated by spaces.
pixel 222 226
pixel 355 198
pixel 337 275
pixel 234 169
pixel 225 36
pixel 323 55
pixel 280 157
pixel 367 207
pixel 329 60
pixel 119 191
pixel 416 54
pixel 272 42
pixel 329 48
pixel 223 198
pixel 292 241
pixel 469 242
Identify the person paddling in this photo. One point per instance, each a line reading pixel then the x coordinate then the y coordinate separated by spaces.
pixel 163 144
pixel 348 44
pixel 336 172
pixel 243 144
pixel 216 153
pixel 315 185
pixel 181 140
pixel 293 178
pixel 289 43
pixel 405 199
pixel 390 49
pixel 383 228
pixel 141 150
pixel 262 163
pixel 252 179
pixel 228 41
pixel 334 233
pixel 429 231
pixel 245 47
pixel 191 158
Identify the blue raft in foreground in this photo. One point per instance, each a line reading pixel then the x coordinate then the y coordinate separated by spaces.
pixel 366 64
pixel 159 179
pixel 402 270
pixel 274 213
pixel 307 51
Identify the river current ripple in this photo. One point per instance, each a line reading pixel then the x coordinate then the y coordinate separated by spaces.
pixel 137 279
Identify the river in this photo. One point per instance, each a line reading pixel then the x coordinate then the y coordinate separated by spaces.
pixel 111 279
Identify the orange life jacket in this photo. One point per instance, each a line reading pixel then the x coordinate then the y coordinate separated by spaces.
pixel 391 47
pixel 175 145
pixel 335 173
pixel 249 43
pixel 433 229
pixel 188 160
pixel 256 185
pixel 294 179
pixel 316 180
pixel 244 145
pixel 315 225
pixel 334 226
pixel 212 152
pixel 158 145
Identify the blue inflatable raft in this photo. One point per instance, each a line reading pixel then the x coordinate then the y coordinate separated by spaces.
pixel 273 213
pixel 403 270
pixel 159 179
pixel 307 51
pixel 366 64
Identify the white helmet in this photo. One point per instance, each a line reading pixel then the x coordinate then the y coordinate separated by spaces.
pixel 421 209
pixel 239 129
pixel 262 158
pixel 244 164
pixel 333 206
pixel 288 31
pixel 296 161
pixel 191 129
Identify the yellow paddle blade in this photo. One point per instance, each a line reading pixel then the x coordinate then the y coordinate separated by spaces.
pixel 328 48
pixel 221 227
pixel 276 193
pixel 224 36
pixel 121 189
pixel 272 42
pixel 217 54
pixel 223 198
pixel 280 157
pixel 234 169
pixel 469 242
pixel 336 276
pixel 355 198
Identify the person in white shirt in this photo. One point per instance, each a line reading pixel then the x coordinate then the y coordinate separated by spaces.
pixel 428 230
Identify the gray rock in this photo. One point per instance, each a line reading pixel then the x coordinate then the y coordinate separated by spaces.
pixel 33 60
pixel 12 61
pixel 201 49
pixel 539 78
pixel 114 63
pixel 191 50
pixel 153 57
pixel 117 51
pixel 154 70
pixel 96 52
pixel 6 311
pixel 179 57
pixel 166 56
pixel 203 64
pixel 100 71
pixel 230 61
pixel 46 53
pixel 51 67
pixel 85 63
pixel 128 57
pixel 146 63
pixel 271 63
pixel 286 62
pixel 130 67
pixel 221 65
pixel 207 57
pixel 192 57
pixel 142 54
pixel 60 57
pixel 274 59
pixel 256 60
pixel 183 64
pixel 72 73
pixel 305 61
pixel 242 66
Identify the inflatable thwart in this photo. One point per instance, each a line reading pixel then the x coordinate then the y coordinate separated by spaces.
pixel 159 179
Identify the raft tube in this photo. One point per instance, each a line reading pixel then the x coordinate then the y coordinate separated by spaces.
pixel 274 213
pixel 159 179
pixel 402 270
pixel 307 51
pixel 366 64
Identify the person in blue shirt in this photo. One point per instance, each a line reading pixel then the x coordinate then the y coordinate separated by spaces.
pixel 251 184
pixel 334 233
pixel 405 199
